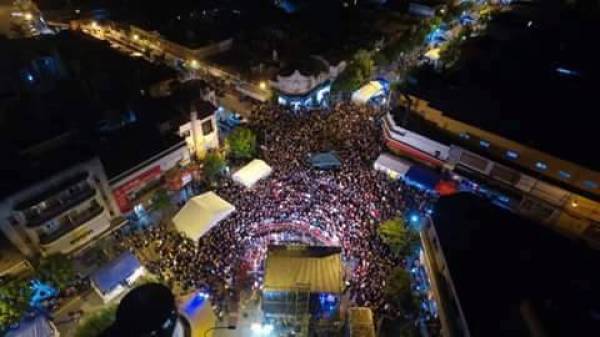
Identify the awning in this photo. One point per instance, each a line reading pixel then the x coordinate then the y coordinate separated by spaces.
pixel 201 213
pixel 115 272
pixel 252 173
pixel 288 268
pixel 422 176
pixel 36 327
pixel 326 160
pixel 392 165
pixel 367 91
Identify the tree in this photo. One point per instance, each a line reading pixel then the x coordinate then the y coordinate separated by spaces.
pixel 364 62
pixel 214 164
pixel 57 270
pixel 359 71
pixel 94 325
pixel 397 235
pixel 161 199
pixel 242 143
pixel 398 292
pixel 14 301
pixel 380 59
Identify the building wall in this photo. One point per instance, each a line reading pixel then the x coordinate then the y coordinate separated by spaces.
pixel 14 224
pixel 150 171
pixel 579 176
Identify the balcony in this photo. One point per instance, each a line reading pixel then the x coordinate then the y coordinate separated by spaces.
pixel 61 206
pixel 72 223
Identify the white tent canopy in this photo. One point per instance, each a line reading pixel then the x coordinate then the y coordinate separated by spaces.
pixel 200 214
pixel 367 91
pixel 392 165
pixel 252 172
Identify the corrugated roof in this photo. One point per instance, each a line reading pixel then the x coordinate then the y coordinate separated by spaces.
pixel 115 272
pixel 290 267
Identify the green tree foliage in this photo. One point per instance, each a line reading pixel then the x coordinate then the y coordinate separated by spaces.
pixel 96 323
pixel 242 143
pixel 57 269
pixel 161 199
pixel 359 71
pixel 214 164
pixel 397 235
pixel 14 301
pixel 398 292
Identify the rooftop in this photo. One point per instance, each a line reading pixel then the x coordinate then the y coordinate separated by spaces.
pixel 499 262
pixel 535 87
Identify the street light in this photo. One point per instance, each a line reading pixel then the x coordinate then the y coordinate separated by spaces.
pixel 228 327
pixel 194 64
pixel 262 85
pixel 28 16
pixel 261 329
pixel 136 37
pixel 94 24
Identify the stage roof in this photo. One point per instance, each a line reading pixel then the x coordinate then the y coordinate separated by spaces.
pixel 113 273
pixel 290 267
pixel 201 213
pixel 253 172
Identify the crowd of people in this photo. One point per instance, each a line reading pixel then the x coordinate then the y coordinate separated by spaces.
pixel 347 204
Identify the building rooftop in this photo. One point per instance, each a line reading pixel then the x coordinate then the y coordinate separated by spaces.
pixel 535 87
pixel 501 263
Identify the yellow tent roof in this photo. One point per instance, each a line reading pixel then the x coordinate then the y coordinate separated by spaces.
pixel 318 268
pixel 366 92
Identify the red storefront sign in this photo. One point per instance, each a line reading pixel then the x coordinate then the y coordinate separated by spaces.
pixel 122 193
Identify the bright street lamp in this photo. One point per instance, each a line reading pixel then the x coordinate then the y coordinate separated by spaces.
pixel 262 85
pixel 28 16
pixel 194 64
pixel 136 37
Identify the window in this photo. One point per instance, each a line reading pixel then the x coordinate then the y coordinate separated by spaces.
pixel 484 143
pixel 541 166
pixel 590 185
pixel 207 127
pixel 564 175
pixel 510 154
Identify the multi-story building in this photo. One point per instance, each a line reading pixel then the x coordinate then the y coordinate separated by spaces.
pixel 494 273
pixel 61 212
pixel 554 191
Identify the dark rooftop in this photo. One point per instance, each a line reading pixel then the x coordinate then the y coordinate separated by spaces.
pixel 535 85
pixel 498 261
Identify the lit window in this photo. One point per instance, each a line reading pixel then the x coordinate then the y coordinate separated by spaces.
pixel 564 175
pixel 512 154
pixel 484 143
pixel 541 166
pixel 464 135
pixel 590 185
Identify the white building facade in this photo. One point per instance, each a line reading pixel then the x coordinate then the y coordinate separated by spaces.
pixel 61 213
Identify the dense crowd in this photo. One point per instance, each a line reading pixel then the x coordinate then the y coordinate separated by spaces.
pixel 347 204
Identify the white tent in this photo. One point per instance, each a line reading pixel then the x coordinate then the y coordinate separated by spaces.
pixel 367 91
pixel 252 172
pixel 392 165
pixel 201 213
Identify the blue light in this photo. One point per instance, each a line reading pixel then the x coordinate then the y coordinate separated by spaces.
pixel 564 175
pixel 512 154
pixel 590 185
pixel 504 199
pixel 40 293
pixel 541 166
pixel 414 218
pixel 195 302
pixel 484 143
pixel 566 71
pixel 30 77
